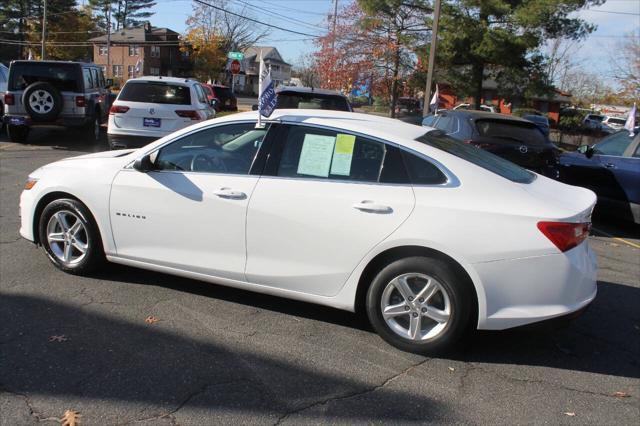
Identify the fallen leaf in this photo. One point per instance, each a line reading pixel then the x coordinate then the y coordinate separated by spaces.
pixel 151 319
pixel 452 369
pixel 60 338
pixel 570 414
pixel 70 418
pixel 621 395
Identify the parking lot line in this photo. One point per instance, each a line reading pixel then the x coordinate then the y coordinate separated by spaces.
pixel 622 240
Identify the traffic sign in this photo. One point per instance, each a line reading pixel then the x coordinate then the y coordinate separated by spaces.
pixel 235 67
pixel 235 55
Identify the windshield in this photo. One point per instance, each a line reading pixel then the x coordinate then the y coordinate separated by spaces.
pixel 156 93
pixel 312 101
pixel 477 156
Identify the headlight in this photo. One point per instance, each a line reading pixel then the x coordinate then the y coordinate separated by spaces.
pixel 30 183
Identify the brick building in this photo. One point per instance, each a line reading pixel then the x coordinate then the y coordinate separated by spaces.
pixel 139 51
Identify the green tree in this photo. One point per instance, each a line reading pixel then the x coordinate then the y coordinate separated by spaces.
pixel 14 18
pixel 131 13
pixel 100 10
pixel 502 40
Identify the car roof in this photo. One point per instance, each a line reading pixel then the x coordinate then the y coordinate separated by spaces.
pixel 27 61
pixel 162 79
pixel 482 115
pixel 296 89
pixel 374 125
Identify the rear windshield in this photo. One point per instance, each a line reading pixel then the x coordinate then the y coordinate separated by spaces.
pixel 616 120
pixel 156 93
pixel 63 77
pixel 510 131
pixel 477 156
pixel 311 101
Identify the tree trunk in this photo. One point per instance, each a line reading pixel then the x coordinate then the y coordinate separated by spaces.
pixel 394 84
pixel 478 77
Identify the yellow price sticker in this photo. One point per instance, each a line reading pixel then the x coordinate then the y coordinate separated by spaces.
pixel 345 143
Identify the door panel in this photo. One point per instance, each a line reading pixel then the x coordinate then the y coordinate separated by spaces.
pixel 177 219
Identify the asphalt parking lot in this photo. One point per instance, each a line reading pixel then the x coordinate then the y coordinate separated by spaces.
pixel 128 346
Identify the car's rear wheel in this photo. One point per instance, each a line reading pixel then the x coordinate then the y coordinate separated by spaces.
pixel 17 134
pixel 91 130
pixel 70 237
pixel 421 305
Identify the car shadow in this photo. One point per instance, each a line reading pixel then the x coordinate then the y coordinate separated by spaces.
pixel 66 139
pixel 53 349
pixel 602 340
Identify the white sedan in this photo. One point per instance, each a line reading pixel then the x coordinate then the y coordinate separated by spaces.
pixel 430 236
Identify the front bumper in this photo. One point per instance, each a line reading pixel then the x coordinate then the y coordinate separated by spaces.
pixel 27 207
pixel 532 289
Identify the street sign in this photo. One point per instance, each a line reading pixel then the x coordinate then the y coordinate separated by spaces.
pixel 235 67
pixel 235 55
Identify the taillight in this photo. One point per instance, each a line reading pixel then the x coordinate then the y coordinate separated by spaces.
pixel 118 109
pixel 9 99
pixel 80 102
pixel 188 113
pixel 565 235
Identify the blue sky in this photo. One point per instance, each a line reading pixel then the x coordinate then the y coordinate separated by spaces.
pixel 595 51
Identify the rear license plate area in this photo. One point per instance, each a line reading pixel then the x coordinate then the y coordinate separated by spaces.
pixel 151 122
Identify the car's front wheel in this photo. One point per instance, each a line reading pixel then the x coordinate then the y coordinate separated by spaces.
pixel 421 305
pixel 70 236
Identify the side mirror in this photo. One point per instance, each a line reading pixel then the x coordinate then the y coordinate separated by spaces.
pixel 109 83
pixel 254 107
pixel 143 164
pixel 589 152
pixel 214 102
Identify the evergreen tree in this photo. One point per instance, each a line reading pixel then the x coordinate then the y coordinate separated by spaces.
pixel 131 13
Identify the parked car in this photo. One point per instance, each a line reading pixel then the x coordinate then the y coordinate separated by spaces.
pixel 429 235
pixel 148 108
pixel 291 97
pixel 226 100
pixel 410 105
pixel 610 168
pixel 45 93
pixel 593 121
pixel 541 121
pixel 486 108
pixel 613 124
pixel 507 136
pixel 4 77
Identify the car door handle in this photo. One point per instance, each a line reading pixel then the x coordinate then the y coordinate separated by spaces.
pixel 371 207
pixel 230 194
pixel 610 165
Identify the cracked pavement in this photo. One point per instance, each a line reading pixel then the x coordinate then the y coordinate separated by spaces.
pixel 225 356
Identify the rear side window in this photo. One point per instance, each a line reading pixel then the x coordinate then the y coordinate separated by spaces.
pixel 88 79
pixel 156 92
pixel 311 101
pixel 421 171
pixel 63 77
pixel 477 156
pixel 510 131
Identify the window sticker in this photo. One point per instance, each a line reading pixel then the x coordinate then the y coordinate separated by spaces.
pixel 315 158
pixel 343 154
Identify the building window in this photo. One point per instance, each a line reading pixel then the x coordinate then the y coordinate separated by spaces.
pixel 133 50
pixel 131 71
pixel 102 50
pixel 154 71
pixel 155 51
pixel 117 71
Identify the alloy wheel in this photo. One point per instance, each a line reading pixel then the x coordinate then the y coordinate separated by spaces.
pixel 67 237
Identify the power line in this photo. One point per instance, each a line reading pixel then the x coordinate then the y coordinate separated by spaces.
pixel 614 12
pixel 255 20
pixel 275 14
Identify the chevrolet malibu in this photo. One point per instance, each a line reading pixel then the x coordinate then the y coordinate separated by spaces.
pixel 430 236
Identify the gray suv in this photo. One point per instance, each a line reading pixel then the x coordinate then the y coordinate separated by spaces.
pixel 45 93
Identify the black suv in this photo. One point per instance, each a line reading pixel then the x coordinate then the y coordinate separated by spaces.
pixel 507 136
pixel 309 98
pixel 69 94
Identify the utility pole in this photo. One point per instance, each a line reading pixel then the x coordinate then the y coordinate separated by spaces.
pixel 335 20
pixel 432 58
pixel 109 40
pixel 44 31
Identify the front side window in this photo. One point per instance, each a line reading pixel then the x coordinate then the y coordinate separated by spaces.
pixel 88 79
pixel 615 144
pixel 479 157
pixel 227 149
pixel 320 153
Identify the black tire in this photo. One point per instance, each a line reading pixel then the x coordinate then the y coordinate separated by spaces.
pixel 93 256
pixel 17 134
pixel 461 299
pixel 49 102
pixel 91 130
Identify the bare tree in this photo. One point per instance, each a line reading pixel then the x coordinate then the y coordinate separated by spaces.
pixel 306 70
pixel 625 64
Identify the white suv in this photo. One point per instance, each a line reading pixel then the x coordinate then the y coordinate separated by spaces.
pixel 148 108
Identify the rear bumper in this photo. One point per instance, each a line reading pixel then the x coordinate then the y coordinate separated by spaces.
pixel 24 120
pixel 533 289
pixel 128 141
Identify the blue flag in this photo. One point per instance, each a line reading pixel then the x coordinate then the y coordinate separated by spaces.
pixel 267 95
